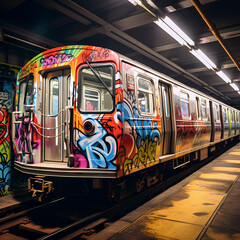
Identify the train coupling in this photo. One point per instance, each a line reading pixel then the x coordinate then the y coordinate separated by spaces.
pixel 39 187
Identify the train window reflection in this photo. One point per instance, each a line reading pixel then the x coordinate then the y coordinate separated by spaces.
pixel 22 91
pixel 145 95
pixel 204 109
pixel 166 102
pixel 29 92
pixel 225 115
pixel 231 114
pixel 216 112
pixel 198 108
pixel 184 97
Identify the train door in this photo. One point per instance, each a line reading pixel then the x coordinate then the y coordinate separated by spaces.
pixel 56 97
pixel 166 118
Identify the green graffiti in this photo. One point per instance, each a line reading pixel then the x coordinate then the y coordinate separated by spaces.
pixel 145 155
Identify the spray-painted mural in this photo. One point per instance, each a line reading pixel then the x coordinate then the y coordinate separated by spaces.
pixel 5 152
pixel 7 82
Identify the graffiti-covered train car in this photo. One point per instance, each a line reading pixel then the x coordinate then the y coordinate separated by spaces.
pixel 89 113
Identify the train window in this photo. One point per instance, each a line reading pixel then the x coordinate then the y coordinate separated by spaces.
pixel 184 105
pixel 160 100
pixel 97 88
pixel 145 95
pixel 225 115
pixel 68 91
pixel 231 114
pixel 22 92
pixel 54 95
pixel 204 109
pixel 29 92
pixel 216 112
pixel 166 102
pixel 198 108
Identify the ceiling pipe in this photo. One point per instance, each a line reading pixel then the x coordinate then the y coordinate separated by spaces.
pixel 214 30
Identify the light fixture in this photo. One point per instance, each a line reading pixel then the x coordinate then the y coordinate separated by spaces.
pixel 203 58
pixel 170 31
pixel 223 76
pixel 179 31
pixel 135 2
pixel 174 31
pixel 234 86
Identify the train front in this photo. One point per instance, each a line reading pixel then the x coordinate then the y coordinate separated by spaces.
pixel 67 123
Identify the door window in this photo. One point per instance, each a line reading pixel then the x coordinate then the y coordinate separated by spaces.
pixel 54 96
pixel 166 102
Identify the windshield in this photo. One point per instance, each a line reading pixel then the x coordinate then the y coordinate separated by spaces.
pixel 25 93
pixel 96 88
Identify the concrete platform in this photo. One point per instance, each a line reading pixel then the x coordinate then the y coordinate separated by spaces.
pixel 205 205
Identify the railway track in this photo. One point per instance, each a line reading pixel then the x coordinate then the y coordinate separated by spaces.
pixel 59 219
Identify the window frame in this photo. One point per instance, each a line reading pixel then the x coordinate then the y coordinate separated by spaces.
pixel 149 92
pixel 205 101
pixel 81 86
pixel 198 108
pixel 26 81
pixel 51 87
pixel 188 105
pixel 225 114
pixel 216 112
pixel 166 104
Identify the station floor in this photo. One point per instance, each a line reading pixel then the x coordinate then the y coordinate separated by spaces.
pixel 205 205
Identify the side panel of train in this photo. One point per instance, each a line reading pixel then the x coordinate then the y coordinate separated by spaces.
pixel 90 113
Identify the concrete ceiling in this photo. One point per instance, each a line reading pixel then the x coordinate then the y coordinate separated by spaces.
pixel 36 25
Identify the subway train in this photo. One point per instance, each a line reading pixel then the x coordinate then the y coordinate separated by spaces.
pixel 108 123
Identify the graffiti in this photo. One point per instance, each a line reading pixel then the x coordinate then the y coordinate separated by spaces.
pixel 131 96
pixel 56 59
pixel 144 157
pixel 99 149
pixel 5 153
pixel 5 173
pixel 99 53
pixel 28 137
pixel 6 93
pixel 141 138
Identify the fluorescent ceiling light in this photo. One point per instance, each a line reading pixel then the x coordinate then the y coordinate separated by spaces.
pixel 135 2
pixel 198 55
pixel 206 59
pixel 223 76
pixel 183 35
pixel 167 29
pixel 234 86
pixel 239 92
